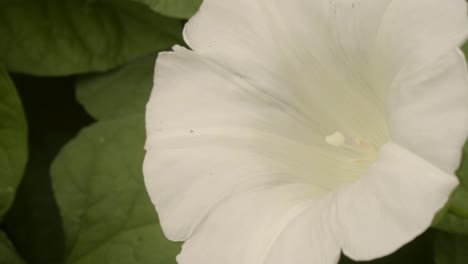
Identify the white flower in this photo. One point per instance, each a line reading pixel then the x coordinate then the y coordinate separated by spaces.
pixel 298 129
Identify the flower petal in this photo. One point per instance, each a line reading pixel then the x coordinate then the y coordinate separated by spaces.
pixel 415 33
pixel 347 51
pixel 210 136
pixel 245 227
pixel 303 35
pixel 391 204
pixel 189 87
pixel 307 239
pixel 292 50
pixel 429 111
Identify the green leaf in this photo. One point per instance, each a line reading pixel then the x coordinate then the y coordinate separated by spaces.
pixel 107 214
pixel 454 224
pixel 8 253
pixel 57 37
pixel 174 8
pixel 13 141
pixel 450 249
pixel 98 177
pixel 119 92
pixel 459 201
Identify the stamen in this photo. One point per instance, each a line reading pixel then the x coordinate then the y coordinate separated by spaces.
pixel 360 149
pixel 336 139
pixel 365 146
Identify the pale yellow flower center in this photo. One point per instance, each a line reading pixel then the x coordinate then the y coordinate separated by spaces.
pixel 360 149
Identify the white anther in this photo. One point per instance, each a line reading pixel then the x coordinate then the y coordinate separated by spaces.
pixel 336 139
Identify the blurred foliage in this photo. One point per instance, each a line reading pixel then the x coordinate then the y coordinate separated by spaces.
pixel 63 37
pixel 101 169
pixel 174 8
pixel 13 141
pixel 451 249
pixel 129 87
pixel 453 223
pixel 7 251
pixel 98 183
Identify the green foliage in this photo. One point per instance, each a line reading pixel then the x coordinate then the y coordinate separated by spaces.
pixel 7 251
pixel 13 141
pixel 63 37
pixel 453 223
pixel 107 215
pixel 451 248
pixel 97 177
pixel 174 8
pixel 120 92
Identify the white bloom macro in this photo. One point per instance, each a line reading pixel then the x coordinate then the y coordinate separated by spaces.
pixel 296 130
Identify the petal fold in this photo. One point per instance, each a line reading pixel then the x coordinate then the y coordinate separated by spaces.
pixel 244 228
pixel 391 204
pixel 428 112
pixel 308 239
